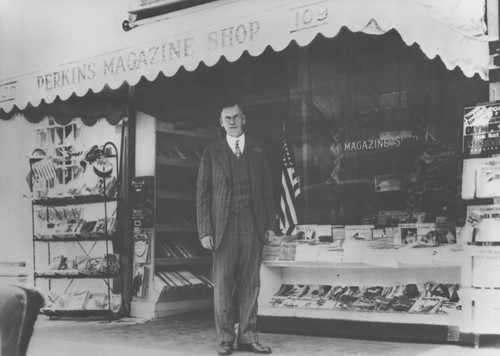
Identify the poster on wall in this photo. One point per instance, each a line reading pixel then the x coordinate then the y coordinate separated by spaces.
pixel 481 135
pixel 143 201
pixel 142 245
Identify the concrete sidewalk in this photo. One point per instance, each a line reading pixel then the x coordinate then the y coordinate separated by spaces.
pixel 194 334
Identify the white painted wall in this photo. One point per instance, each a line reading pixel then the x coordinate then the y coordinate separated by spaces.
pixel 17 139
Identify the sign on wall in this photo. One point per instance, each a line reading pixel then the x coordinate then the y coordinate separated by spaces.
pixel 143 201
pixel 481 130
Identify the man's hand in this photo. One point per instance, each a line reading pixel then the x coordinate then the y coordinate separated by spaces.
pixel 207 242
pixel 268 236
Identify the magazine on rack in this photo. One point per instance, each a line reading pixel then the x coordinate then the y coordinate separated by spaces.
pixel 488 179
pixel 451 308
pixel 420 233
pixel 446 227
pixel 351 295
pixel 288 291
pixel 481 178
pixel 314 297
pixel 364 304
pixel 448 292
pixel 426 305
pixel 330 300
pixel 317 292
pixel 372 298
pixel 437 298
pixel 482 223
pixel 297 296
pixel 403 296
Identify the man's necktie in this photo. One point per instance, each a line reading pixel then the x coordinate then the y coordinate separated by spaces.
pixel 237 150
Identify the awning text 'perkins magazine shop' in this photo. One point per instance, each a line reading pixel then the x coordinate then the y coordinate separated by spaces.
pixel 454 30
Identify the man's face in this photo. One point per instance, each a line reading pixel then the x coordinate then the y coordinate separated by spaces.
pixel 232 119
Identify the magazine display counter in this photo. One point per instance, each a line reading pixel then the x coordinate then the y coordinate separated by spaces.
pixel 175 272
pixel 316 318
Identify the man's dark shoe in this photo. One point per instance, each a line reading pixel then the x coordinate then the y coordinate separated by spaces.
pixel 255 347
pixel 225 348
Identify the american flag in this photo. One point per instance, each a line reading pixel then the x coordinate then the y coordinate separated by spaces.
pixel 290 190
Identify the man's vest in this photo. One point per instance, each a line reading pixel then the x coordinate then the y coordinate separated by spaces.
pixel 241 189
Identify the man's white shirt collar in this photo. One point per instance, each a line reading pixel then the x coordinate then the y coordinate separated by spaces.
pixel 232 142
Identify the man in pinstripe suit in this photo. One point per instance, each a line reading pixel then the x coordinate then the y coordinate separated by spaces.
pixel 235 218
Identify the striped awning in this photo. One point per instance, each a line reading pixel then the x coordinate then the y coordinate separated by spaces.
pixel 454 30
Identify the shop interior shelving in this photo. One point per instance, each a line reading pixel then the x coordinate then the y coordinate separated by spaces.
pixel 176 152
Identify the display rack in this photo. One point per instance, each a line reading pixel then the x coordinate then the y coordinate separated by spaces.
pixel 176 275
pixel 58 219
pixel 355 323
pixel 481 189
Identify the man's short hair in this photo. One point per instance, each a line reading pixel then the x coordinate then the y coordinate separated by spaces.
pixel 225 106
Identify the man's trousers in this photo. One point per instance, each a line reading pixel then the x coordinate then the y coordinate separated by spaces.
pixel 236 267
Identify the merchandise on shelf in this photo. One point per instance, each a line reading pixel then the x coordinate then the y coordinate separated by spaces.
pixel 429 298
pixel 415 243
pixel 72 212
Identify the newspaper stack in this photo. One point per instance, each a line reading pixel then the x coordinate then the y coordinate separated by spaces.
pixel 272 250
pixel 281 248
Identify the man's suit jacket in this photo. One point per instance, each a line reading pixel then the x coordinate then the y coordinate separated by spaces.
pixel 213 194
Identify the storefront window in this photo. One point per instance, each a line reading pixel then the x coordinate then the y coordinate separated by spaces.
pixel 379 140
